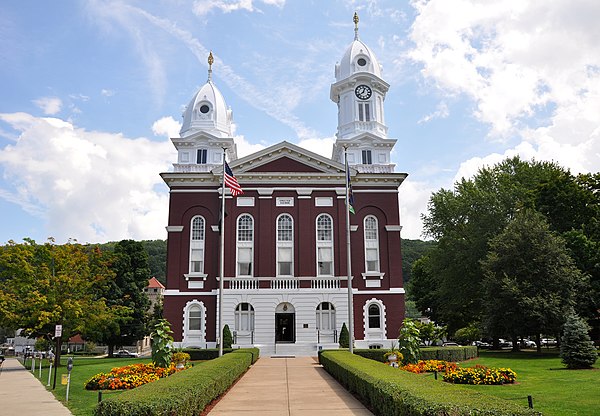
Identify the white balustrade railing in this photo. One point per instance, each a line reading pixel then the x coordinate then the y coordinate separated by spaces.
pixel 320 283
pixel 283 283
pixel 287 283
pixel 243 284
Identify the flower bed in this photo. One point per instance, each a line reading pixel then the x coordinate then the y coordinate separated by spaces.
pixel 429 366
pixel 470 375
pixel 480 375
pixel 129 377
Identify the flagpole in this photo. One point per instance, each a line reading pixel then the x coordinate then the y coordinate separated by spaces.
pixel 349 258
pixel 222 261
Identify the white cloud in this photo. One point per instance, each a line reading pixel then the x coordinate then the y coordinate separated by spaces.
pixel 203 7
pixel 441 111
pixel 532 70
pixel 107 93
pixel 166 126
pixel 92 186
pixel 244 147
pixel 49 105
pixel 323 147
pixel 413 198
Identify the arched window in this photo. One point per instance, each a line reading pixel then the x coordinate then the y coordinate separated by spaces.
pixel 197 245
pixel 244 317
pixel 324 245
pixel 325 316
pixel 374 316
pixel 245 245
pixel 371 244
pixel 195 318
pixel 285 245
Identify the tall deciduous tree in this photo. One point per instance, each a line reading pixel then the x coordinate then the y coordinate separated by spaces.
pixel 46 285
pixel 530 280
pixel 463 220
pixel 125 294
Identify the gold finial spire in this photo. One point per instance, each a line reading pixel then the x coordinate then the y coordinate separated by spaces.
pixel 210 62
pixel 355 20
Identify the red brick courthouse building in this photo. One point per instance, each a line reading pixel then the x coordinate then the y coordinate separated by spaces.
pixel 285 284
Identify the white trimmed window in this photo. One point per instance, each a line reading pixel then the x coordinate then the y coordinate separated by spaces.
pixel 195 318
pixel 201 155
pixel 325 316
pixel 367 157
pixel 197 245
pixel 364 113
pixel 245 245
pixel 374 318
pixel 371 244
pixel 285 245
pixel 244 317
pixel 324 245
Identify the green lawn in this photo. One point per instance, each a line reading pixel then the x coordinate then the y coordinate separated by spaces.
pixel 555 390
pixel 82 402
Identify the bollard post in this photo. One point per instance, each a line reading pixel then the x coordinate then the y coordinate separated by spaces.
pixel 40 371
pixel 530 401
pixel 435 374
pixel 32 364
pixel 49 373
pixel 99 396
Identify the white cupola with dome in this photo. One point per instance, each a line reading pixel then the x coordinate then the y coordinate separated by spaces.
pixel 359 91
pixel 206 130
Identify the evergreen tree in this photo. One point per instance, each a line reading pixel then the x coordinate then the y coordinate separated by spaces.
pixel 344 337
pixel 576 349
pixel 227 338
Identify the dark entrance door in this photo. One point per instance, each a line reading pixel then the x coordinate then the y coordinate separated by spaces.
pixel 284 327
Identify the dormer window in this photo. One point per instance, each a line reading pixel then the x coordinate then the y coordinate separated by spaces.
pixel 201 156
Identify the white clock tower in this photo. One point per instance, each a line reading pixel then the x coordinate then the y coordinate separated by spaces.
pixel 359 91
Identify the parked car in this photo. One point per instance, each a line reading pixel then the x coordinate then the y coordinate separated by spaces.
pixel 548 342
pixel 450 344
pixel 528 344
pixel 126 354
pixel 482 344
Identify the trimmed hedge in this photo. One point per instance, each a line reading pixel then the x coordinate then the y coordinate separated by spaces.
pixel 186 393
pixel 388 391
pixel 452 354
pixel 198 354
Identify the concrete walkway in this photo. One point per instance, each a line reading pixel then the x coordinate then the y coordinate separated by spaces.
pixel 22 394
pixel 288 386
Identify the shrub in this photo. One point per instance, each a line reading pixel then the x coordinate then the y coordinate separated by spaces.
pixel 204 354
pixel 185 393
pixel 576 348
pixel 389 392
pixel 180 357
pixel 409 341
pixel 344 337
pixel 162 342
pixel 227 337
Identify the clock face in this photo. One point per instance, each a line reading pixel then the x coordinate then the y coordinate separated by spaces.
pixel 363 92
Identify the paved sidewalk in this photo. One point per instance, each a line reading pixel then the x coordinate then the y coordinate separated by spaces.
pixel 22 394
pixel 288 386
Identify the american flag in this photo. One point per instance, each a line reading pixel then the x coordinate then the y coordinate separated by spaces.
pixel 232 182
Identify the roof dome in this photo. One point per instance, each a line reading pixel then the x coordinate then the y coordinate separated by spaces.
pixel 207 111
pixel 357 58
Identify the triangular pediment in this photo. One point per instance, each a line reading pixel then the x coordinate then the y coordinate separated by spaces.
pixel 286 157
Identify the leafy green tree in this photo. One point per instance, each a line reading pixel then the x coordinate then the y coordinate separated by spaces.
pixel 430 333
pixel 162 343
pixel 409 340
pixel 157 258
pixel 467 334
pixel 576 348
pixel 463 221
pixel 344 337
pixel 227 337
pixel 125 295
pixel 530 280
pixel 412 250
pixel 45 285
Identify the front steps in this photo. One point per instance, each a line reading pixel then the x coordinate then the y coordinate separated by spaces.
pixel 291 350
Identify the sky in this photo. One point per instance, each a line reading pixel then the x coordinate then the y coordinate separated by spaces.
pixel 91 92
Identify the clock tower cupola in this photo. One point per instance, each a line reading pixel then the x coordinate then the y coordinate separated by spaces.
pixel 359 92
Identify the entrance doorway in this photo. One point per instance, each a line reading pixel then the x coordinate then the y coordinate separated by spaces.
pixel 284 327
